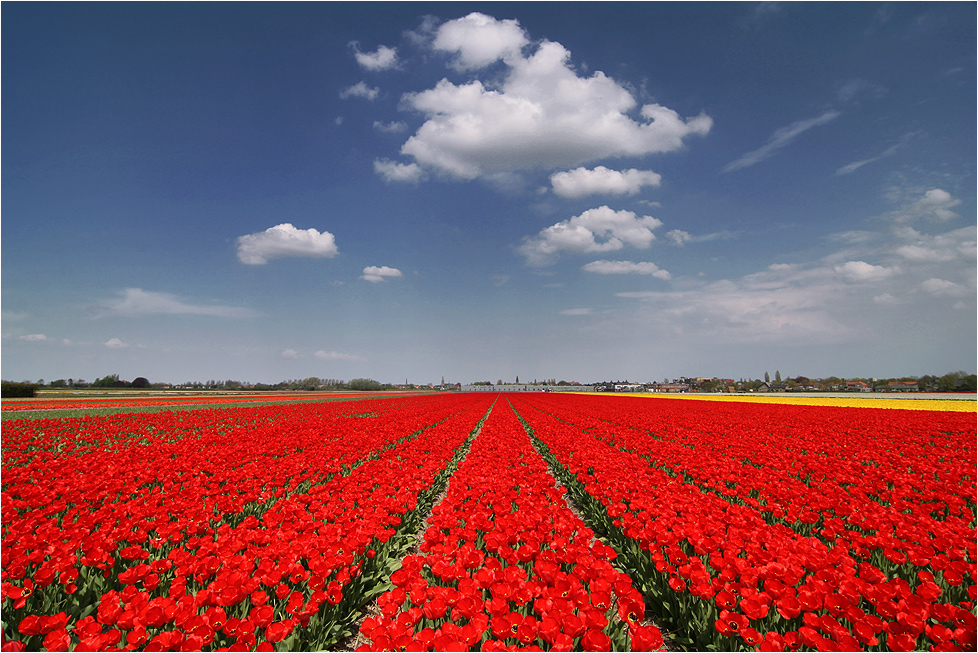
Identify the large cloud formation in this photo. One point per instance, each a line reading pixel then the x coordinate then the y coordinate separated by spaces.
pixel 285 240
pixel 541 114
pixel 596 230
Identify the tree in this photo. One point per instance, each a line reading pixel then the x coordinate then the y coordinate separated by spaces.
pixel 777 376
pixel 364 385
pixel 140 382
pixel 767 377
pixel 109 381
pixel 59 383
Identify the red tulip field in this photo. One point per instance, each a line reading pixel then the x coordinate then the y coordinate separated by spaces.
pixel 481 521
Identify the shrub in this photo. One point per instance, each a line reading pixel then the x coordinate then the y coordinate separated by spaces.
pixel 12 390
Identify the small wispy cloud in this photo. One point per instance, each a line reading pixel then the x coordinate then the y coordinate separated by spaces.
pixel 680 237
pixel 576 311
pixel 781 138
pixel 360 90
pixel 34 337
pixel 853 90
pixel 136 302
pixel 337 356
pixel 115 343
pixel 383 58
pixel 393 127
pixel 890 151
pixel 377 274
pixel 627 267
pixel 410 173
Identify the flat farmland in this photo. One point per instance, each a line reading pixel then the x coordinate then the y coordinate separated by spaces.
pixel 455 521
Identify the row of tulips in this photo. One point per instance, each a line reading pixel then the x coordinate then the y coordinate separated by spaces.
pixel 506 565
pixel 175 399
pixel 904 503
pixel 719 573
pixel 248 529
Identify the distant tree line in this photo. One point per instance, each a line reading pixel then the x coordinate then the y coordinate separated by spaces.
pixel 28 389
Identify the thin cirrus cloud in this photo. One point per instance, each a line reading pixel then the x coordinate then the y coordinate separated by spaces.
pixel 322 354
pixel 890 151
pixel 581 182
pixel 538 113
pixel 136 302
pixel 377 274
pixel 337 356
pixel 596 230
pixel 284 240
pixel 781 138
pixel 627 267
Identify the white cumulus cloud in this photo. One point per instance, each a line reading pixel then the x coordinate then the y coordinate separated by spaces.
pixel 859 271
pixel 115 343
pixel 34 337
pixel 289 353
pixel 383 58
pixel 539 113
pixel 478 40
pixel 627 267
pixel 596 230
pixel 942 287
pixel 601 180
pixel 285 240
pixel 375 274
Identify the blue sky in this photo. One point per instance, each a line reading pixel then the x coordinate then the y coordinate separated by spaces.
pixel 476 191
